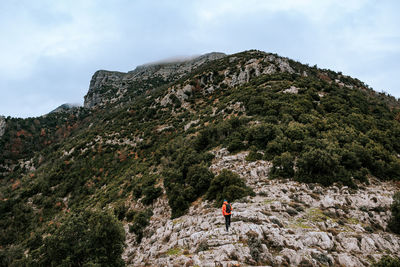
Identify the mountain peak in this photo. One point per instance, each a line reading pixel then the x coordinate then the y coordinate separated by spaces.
pixel 64 108
pixel 100 89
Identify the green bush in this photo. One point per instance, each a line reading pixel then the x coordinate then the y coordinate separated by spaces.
pixel 150 194
pixel 140 221
pixel 130 215
pixel 254 156
pixel 227 185
pixel 177 201
pixel 394 223
pixel 199 177
pixel 235 144
pixel 187 177
pixel 120 210
pixel 295 131
pixel 387 261
pixel 88 238
pixel 260 135
pixel 283 165
pixel 274 148
pixel 321 166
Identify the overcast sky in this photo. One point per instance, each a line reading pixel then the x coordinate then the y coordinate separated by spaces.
pixel 50 49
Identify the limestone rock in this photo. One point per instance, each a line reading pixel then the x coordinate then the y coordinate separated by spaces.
pixel 291 90
pixel 311 237
pixel 2 125
pixel 345 259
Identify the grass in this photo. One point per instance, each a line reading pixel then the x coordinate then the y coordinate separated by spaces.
pixel 269 201
pixel 176 221
pixel 353 221
pixel 312 215
pixel 176 251
pixel 300 223
pixel 316 215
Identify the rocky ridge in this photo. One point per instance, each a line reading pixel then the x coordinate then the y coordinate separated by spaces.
pixel 237 74
pixel 286 223
pixel 110 86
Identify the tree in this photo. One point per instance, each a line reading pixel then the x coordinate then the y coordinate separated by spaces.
pixel 394 223
pixel 227 185
pixel 199 177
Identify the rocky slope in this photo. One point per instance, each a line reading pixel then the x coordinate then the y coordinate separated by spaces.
pixel 285 224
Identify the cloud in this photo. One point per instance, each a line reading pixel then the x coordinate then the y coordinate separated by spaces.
pixel 52 29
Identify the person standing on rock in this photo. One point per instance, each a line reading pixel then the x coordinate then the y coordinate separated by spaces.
pixel 227 212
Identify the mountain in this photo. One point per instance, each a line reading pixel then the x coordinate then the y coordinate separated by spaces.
pixel 308 158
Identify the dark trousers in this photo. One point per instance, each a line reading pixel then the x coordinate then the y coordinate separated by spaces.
pixel 227 221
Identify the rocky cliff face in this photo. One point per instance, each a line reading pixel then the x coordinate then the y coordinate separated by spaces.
pixel 2 125
pixel 110 86
pixel 285 224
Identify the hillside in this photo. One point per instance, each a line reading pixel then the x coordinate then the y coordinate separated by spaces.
pixel 308 157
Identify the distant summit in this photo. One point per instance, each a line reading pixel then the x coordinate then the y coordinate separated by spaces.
pixel 64 108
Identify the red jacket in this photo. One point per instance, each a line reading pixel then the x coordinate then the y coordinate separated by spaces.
pixel 224 209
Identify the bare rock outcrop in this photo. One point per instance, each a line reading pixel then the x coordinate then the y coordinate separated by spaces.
pixel 286 223
pixel 239 71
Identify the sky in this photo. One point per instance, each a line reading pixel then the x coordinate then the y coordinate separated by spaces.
pixel 50 49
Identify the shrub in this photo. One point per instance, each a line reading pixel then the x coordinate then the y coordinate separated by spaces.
pixel 255 245
pixel 203 246
pixel 295 131
pixel 199 177
pixel 177 202
pixel 254 156
pixel 120 210
pixel 274 148
pixel 88 238
pixel 130 215
pixel 387 261
pixel 235 144
pixel 260 135
pixel 140 221
pixel 150 194
pixel 394 223
pixel 317 165
pixel 283 165
pixel 227 185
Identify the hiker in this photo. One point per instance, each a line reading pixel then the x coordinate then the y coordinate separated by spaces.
pixel 227 211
